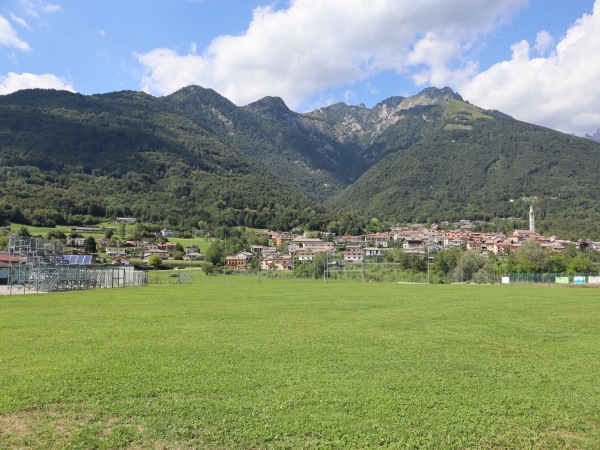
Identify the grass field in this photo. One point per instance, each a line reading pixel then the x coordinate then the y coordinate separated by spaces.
pixel 234 364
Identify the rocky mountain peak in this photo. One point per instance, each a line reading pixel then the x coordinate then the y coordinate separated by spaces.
pixel 595 136
pixel 429 96
pixel 274 108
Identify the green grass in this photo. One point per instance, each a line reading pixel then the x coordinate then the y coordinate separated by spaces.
pixel 454 108
pixel 230 363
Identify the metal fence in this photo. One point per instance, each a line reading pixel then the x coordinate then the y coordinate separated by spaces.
pixel 565 279
pixel 38 265
pixel 35 277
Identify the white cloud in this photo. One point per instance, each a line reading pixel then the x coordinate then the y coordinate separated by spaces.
pixel 32 9
pixel 311 45
pixel 543 42
pixel 20 21
pixel 14 82
pixel 9 38
pixel 560 91
pixel 350 97
pixel 29 8
pixel 51 8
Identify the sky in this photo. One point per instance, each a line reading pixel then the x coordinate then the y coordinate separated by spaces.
pixel 537 60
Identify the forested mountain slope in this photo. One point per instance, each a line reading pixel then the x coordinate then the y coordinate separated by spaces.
pixel 194 156
pixel 66 156
pixel 470 163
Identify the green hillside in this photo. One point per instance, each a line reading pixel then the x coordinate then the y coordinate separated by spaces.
pixel 270 134
pixel 472 164
pixel 68 158
pixel 194 157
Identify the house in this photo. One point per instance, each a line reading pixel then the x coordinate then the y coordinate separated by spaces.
pixel 418 251
pixel 413 242
pixel 378 239
pixel 522 235
pixel 5 260
pixel 314 244
pixel 373 251
pixel 261 249
pixel 120 261
pixel 194 256
pixel 277 262
pixel 116 251
pixel 126 220
pixel 167 246
pixel 239 261
pixel 476 244
pixel 350 240
pixel 280 239
pixel 148 253
pixel 292 248
pixel 502 247
pixel 87 229
pixel 165 232
pixel 352 257
pixel 150 248
pixel 305 255
pixel 135 244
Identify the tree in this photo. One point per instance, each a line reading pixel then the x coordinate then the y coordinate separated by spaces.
pixel 468 264
pixel 109 233
pixel 254 266
pixel 56 234
pixel 445 261
pixel 122 230
pixel 89 244
pixel 24 231
pixel 531 257
pixel 139 232
pixel 556 263
pixel 208 269
pixel 580 264
pixel 215 253
pixel 154 261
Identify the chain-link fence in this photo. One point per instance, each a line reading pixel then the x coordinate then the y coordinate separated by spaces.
pixel 565 279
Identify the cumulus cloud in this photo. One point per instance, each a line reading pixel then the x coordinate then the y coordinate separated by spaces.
pixel 9 38
pixel 560 91
pixel 310 45
pixel 543 42
pixel 14 82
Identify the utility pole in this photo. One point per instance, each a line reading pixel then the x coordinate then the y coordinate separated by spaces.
pixel 427 264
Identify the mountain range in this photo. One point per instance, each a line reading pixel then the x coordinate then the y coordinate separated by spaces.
pixel 595 136
pixel 195 157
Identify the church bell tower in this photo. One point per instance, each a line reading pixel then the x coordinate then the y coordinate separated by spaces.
pixel 531 219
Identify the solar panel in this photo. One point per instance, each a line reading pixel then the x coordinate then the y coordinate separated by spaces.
pixel 76 260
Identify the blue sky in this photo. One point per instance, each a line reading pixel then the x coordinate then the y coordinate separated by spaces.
pixel 538 60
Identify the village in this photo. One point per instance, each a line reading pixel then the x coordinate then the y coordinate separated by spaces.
pixel 287 249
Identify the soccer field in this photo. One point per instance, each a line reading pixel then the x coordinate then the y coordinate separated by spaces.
pixel 286 364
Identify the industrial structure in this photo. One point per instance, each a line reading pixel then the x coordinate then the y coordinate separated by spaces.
pixel 40 265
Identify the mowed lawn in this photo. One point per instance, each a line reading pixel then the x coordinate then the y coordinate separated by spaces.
pixel 301 365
